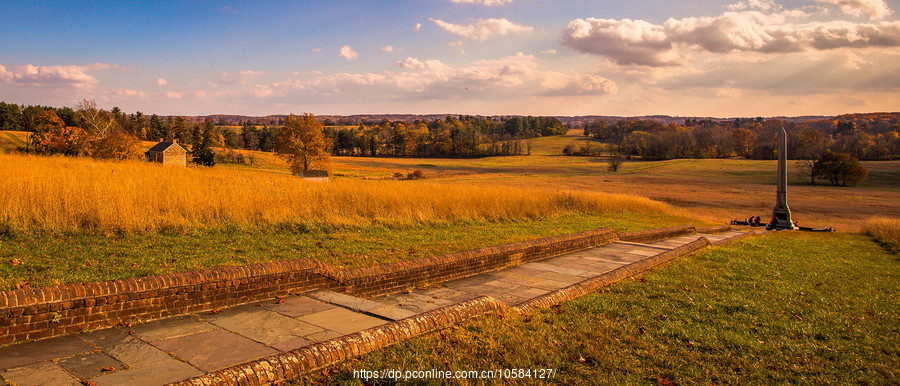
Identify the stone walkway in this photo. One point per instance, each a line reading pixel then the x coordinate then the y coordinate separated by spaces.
pixel 175 349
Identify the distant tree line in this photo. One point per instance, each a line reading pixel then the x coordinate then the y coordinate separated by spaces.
pixel 830 149
pixel 453 136
pixel 463 136
pixel 865 136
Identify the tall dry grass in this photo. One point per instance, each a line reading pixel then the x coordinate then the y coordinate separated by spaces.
pixel 886 230
pixel 57 193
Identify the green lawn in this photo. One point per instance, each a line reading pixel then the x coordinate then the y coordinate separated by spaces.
pixel 782 308
pixel 53 258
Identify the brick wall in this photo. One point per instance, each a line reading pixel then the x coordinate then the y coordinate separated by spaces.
pixel 37 313
pixel 652 235
pixel 30 314
pixel 396 277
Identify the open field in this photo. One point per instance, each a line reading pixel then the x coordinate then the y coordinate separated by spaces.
pixel 713 189
pixel 782 308
pixel 68 220
pixel 68 194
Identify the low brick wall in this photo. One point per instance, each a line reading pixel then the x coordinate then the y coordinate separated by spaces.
pixel 30 314
pixel 715 229
pixel 37 313
pixel 652 235
pixel 395 277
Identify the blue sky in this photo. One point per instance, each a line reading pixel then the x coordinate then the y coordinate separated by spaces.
pixel 539 57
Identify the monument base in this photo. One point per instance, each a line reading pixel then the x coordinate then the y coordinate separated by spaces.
pixel 781 220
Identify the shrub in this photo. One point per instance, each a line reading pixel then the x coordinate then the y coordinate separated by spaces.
pixel 118 145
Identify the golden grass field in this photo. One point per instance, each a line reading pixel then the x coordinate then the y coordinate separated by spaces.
pixel 60 193
pixel 886 230
pixel 711 190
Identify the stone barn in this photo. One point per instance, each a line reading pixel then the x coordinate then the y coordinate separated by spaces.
pixel 315 175
pixel 167 153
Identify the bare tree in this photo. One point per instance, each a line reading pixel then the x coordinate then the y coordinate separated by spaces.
pixel 808 168
pixel 97 122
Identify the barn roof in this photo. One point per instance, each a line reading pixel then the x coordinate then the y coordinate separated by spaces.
pixel 162 146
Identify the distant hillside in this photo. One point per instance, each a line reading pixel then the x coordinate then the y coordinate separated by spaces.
pixel 351 120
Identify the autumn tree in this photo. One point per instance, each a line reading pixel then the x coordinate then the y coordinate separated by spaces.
pixel 302 144
pixel 840 169
pixel 118 145
pixel 52 136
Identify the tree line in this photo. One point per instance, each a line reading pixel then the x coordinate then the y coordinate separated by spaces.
pixel 463 136
pixel 454 136
pixel 830 149
pixel 89 130
pixel 866 137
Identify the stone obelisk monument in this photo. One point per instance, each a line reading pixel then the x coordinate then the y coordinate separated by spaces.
pixel 781 215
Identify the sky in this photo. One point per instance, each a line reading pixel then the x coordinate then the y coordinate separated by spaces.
pixel 734 58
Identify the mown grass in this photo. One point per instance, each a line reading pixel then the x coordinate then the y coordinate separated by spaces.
pixel 783 308
pixel 43 258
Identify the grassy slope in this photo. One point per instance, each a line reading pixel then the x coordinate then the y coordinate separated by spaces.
pixel 52 258
pixel 13 140
pixel 784 308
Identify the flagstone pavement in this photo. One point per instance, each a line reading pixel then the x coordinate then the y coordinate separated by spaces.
pixel 175 349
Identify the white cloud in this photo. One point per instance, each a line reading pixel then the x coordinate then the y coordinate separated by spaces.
pixel 418 27
pixel 54 76
pixel 411 63
pixel 236 78
pixel 762 5
pixel 388 48
pixel 873 9
pixel 549 52
pixel 625 41
pixel 484 29
pixel 173 94
pixel 489 3
pixel 126 93
pixel 162 81
pixel 316 50
pixel 348 53
pixel 640 42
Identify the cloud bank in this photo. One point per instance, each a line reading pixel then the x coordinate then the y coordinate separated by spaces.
pixel 754 26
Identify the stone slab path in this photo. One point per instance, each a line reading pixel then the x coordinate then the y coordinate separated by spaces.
pixel 175 349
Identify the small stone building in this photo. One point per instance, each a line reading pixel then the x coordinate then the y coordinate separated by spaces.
pixel 315 175
pixel 167 153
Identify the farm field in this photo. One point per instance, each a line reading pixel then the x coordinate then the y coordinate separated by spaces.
pixel 774 309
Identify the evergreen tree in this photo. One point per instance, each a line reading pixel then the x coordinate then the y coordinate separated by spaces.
pixel 201 148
